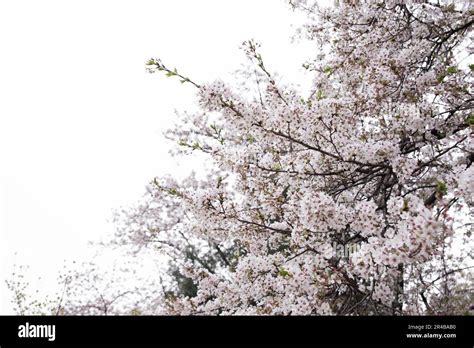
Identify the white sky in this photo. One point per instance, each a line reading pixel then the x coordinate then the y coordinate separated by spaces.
pixel 81 121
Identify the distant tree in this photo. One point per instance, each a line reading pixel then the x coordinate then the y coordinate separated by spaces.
pixel 378 154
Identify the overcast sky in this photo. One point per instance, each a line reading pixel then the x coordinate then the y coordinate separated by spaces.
pixel 81 121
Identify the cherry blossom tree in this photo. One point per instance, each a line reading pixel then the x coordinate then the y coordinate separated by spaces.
pixel 377 155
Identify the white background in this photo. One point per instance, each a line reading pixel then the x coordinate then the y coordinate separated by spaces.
pixel 81 121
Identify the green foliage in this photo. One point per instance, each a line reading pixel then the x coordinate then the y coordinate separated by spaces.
pixel 452 70
pixel 327 70
pixel 450 8
pixel 217 133
pixel 171 73
pixel 173 191
pixel 135 311
pixel 411 96
pixel 276 167
pixel 283 272
pixel 405 205
pixel 441 187
pixel 361 61
pixel 319 94
pixel 470 119
pixel 306 102
pixel 213 258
